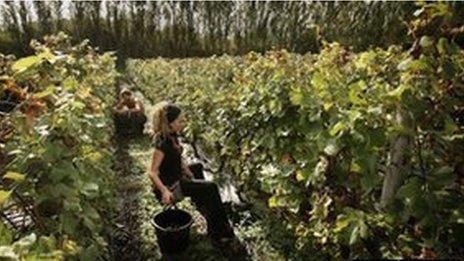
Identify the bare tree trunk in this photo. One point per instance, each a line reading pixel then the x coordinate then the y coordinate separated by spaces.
pixel 13 24
pixel 399 164
pixel 57 8
pixel 95 10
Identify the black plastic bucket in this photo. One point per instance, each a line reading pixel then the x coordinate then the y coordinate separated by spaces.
pixel 172 227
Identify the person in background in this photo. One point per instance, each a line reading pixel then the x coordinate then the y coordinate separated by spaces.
pixel 129 115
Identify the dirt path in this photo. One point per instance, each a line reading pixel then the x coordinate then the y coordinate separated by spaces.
pixel 127 243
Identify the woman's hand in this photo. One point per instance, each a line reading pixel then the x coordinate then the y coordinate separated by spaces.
pixel 188 174
pixel 168 197
pixel 186 171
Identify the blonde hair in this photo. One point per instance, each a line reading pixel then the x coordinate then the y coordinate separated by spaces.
pixel 124 91
pixel 160 121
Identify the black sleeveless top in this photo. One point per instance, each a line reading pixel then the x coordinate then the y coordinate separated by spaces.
pixel 170 169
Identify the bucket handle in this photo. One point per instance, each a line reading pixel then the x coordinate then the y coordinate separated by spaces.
pixel 170 206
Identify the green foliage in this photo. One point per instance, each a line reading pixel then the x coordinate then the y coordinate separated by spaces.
pixel 310 136
pixel 31 247
pixel 60 156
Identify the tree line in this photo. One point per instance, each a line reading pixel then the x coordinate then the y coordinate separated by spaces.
pixel 197 29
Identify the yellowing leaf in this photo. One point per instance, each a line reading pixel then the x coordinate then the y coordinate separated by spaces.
pixel 47 55
pixel 272 202
pixel 300 175
pixel 25 63
pixel 296 97
pixel 354 98
pixel 355 167
pixel 50 90
pixel 70 83
pixel 398 91
pixel 337 128
pixel 328 105
pixel 95 156
pixel 341 224
pixel 4 195
pixel 70 247
pixel 14 176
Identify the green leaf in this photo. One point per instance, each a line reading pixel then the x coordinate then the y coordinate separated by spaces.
pixel 48 91
pixel 442 177
pixel 78 105
pixel 426 41
pixel 90 253
pixel 4 195
pixel 442 46
pixel 363 230
pixel 90 190
pixel 70 83
pixel 89 224
pixel 370 177
pixel 69 223
pixel 337 128
pixel 296 96
pixel 450 126
pixel 25 242
pixel 449 72
pixel 15 176
pixel 354 95
pixel 422 65
pixel 404 65
pixel 419 206
pixel 332 148
pixel 72 206
pixel 354 235
pixel 7 253
pixel 5 235
pixel 410 189
pixel 399 91
pixel 443 170
pixel 418 12
pixel 91 212
pixel 341 224
pixel 301 175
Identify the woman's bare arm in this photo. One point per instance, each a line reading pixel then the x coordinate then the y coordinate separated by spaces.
pixel 139 105
pixel 167 196
pixel 118 108
pixel 154 170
